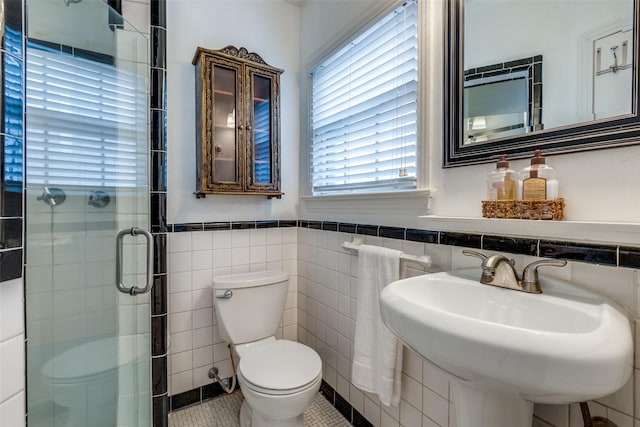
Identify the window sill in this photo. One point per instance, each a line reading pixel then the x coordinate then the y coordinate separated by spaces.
pixel 386 195
pixel 370 206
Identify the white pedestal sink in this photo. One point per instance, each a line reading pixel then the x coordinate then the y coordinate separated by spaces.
pixel 509 349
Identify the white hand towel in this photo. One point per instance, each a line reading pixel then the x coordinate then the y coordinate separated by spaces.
pixel 377 358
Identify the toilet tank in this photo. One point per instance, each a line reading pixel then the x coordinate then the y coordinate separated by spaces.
pixel 249 305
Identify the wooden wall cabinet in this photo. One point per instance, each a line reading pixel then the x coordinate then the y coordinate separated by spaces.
pixel 237 123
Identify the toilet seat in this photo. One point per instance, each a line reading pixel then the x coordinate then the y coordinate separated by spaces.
pixel 279 367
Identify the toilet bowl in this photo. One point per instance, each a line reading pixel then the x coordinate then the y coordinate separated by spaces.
pixel 278 378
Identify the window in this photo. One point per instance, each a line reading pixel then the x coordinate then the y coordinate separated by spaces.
pixel 11 146
pixel 364 110
pixel 86 119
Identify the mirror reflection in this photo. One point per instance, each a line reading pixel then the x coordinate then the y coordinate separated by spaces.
pixel 535 65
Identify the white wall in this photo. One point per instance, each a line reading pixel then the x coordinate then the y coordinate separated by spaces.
pixel 598 186
pixel 269 28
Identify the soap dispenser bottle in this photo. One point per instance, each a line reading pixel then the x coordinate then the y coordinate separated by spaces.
pixel 502 183
pixel 538 181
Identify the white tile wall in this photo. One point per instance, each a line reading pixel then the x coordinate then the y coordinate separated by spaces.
pixel 12 369
pixel 194 259
pixel 326 286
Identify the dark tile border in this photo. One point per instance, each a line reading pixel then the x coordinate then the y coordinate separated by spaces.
pixel 330 226
pixel 12 91
pixel 345 228
pixel 199 395
pixel 158 162
pixel 423 236
pixel 392 232
pixel 158 379
pixel 10 264
pixel 210 226
pixel 288 223
pixel 367 230
pixel 196 396
pixel 605 254
pixel 595 254
pixel 193 226
pixel 461 239
pixel 316 225
pixel 343 406
pixel 185 399
pixel 267 224
pixel 243 225
pixel 512 245
pixel 629 257
pixel 10 233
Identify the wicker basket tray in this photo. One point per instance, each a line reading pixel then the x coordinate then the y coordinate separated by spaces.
pixel 548 209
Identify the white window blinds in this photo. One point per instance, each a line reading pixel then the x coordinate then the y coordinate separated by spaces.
pixel 364 110
pixel 86 122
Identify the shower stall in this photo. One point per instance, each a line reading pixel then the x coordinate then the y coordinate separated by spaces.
pixel 89 257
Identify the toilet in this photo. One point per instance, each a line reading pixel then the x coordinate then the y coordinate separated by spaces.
pixel 279 378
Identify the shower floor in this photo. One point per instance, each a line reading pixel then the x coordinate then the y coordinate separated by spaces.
pixel 223 412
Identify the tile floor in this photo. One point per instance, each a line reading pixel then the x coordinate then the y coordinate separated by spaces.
pixel 223 412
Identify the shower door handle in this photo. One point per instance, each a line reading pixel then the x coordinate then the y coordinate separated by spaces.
pixel 134 290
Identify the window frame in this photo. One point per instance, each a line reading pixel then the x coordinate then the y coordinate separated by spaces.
pixel 422 191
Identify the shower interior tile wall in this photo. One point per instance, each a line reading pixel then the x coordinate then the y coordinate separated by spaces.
pixel 327 277
pixel 194 259
pixel 12 381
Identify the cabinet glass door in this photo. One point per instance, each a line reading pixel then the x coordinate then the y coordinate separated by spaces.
pixel 261 130
pixel 225 120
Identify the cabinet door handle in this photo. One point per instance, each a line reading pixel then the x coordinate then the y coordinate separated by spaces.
pixel 240 127
pixel 249 127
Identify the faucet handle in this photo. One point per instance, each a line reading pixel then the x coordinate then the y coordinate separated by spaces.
pixel 476 254
pixel 530 272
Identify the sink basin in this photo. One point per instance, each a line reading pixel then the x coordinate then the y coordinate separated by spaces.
pixel 564 345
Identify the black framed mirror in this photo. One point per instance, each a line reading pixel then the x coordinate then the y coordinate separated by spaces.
pixel 576 91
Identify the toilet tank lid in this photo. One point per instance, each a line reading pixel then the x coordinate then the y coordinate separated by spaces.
pixel 248 280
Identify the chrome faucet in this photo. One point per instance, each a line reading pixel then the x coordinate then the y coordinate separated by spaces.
pixel 498 270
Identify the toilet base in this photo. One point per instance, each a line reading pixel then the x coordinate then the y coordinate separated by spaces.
pixel 250 418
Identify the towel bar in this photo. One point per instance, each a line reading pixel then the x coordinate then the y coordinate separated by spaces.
pixel 423 260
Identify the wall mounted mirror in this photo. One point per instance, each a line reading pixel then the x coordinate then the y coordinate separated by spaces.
pixel 561 76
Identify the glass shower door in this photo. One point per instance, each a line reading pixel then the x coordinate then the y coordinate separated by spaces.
pixel 87 192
